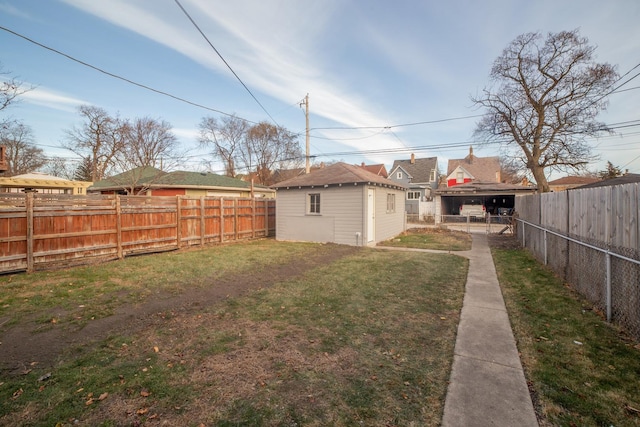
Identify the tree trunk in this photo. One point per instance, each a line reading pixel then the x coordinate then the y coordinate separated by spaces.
pixel 541 179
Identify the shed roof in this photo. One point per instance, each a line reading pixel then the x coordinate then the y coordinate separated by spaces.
pixel 336 174
pixel 419 169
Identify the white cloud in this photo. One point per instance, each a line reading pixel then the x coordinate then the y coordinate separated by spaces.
pixel 51 99
pixel 12 10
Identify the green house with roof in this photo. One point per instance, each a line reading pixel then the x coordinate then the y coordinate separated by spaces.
pixel 149 181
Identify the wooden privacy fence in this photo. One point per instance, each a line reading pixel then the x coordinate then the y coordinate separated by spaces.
pixel 39 231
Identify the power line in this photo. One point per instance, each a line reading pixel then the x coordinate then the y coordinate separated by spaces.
pixel 224 60
pixel 428 122
pixel 116 76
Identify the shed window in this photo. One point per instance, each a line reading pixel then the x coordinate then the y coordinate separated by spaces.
pixel 314 203
pixel 391 203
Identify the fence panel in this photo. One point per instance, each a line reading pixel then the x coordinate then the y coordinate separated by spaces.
pixel 48 231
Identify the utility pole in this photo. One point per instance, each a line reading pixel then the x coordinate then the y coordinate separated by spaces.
pixel 306 115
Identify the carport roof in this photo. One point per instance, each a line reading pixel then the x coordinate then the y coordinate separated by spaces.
pixel 485 188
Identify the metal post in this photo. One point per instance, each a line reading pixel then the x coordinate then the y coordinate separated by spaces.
pixel 608 290
pixel 545 248
pixel 468 224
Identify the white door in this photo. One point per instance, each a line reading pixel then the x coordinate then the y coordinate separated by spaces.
pixel 371 209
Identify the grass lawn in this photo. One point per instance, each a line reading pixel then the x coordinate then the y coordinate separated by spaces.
pixel 431 238
pixel 366 339
pixel 583 370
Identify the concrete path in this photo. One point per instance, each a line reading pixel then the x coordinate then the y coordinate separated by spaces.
pixel 487 385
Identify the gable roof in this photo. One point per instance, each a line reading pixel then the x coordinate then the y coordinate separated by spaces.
pixel 419 169
pixel 484 169
pixel 336 174
pixel 460 167
pixel 378 169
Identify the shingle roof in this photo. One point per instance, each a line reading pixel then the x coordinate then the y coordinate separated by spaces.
pixel 483 169
pixel 338 173
pixel 483 187
pixel 420 170
pixel 624 179
pixel 378 169
pixel 573 180
pixel 153 177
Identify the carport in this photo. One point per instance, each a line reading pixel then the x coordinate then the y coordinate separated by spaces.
pixel 494 196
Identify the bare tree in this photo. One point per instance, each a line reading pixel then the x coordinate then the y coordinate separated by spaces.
pixel 546 96
pixel 10 89
pixel 148 142
pixel 225 137
pixel 100 139
pixel 22 156
pixel 60 167
pixel 267 147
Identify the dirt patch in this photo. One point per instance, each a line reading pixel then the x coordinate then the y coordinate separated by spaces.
pixel 499 241
pixel 28 343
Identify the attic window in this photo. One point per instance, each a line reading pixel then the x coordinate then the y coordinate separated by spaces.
pixel 432 175
pixel 399 175
pixel 460 176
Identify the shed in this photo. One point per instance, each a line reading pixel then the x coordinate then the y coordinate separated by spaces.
pixel 341 203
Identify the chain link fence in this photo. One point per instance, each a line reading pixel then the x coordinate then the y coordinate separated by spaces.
pixel 608 277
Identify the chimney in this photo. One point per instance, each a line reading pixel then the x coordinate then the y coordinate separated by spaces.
pixel 413 159
pixel 470 154
pixel 362 165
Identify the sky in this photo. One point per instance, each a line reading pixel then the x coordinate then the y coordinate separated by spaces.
pixel 384 78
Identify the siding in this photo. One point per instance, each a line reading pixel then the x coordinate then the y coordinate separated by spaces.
pixel 339 220
pixel 388 225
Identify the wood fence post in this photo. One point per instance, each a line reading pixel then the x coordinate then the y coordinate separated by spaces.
pixel 253 218
pixel 119 228
pixel 266 217
pixel 178 221
pixel 221 219
pixel 29 208
pixel 235 225
pixel 202 221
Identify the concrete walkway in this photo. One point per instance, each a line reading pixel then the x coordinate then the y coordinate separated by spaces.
pixel 487 385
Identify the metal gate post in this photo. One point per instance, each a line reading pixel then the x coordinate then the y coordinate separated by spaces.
pixel 608 290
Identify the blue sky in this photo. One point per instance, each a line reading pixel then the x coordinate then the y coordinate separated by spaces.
pixel 365 64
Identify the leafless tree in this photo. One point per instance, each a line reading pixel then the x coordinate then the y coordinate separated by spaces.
pixel 100 139
pixel 148 142
pixel 225 137
pixel 267 147
pixel 545 97
pixel 10 89
pixel 22 156
pixel 60 167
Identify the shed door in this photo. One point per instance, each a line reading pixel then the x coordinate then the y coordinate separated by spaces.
pixel 371 215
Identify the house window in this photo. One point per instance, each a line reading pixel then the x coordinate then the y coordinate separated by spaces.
pixel 391 203
pixel 399 175
pixel 460 176
pixel 314 203
pixel 413 195
pixel 432 175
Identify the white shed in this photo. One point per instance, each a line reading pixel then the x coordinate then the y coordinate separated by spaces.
pixel 340 203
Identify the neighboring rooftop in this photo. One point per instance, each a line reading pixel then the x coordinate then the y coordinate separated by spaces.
pixel 418 169
pixel 628 178
pixel 483 169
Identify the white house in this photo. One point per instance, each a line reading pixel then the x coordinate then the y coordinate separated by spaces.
pixel 341 203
